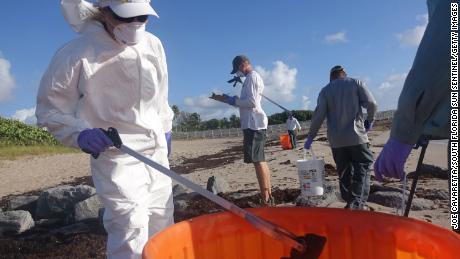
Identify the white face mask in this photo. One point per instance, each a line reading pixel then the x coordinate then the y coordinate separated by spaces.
pixel 129 33
pixel 239 74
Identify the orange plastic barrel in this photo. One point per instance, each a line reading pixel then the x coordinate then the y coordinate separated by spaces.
pixel 285 141
pixel 350 235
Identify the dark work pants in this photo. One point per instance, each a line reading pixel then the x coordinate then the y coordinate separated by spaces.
pixel 292 137
pixel 353 165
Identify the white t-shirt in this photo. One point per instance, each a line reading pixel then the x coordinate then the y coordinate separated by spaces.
pixel 251 114
pixel 292 124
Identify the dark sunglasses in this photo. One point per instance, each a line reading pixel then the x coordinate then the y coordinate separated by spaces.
pixel 140 18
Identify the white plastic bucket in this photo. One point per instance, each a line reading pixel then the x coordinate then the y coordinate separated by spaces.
pixel 311 175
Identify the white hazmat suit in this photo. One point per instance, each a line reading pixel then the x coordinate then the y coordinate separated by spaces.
pixel 95 82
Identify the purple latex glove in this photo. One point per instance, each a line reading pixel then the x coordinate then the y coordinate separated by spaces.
pixel 368 125
pixel 93 141
pixel 168 136
pixel 230 99
pixel 391 160
pixel 308 143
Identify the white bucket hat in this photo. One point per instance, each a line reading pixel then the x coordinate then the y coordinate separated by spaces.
pixel 129 8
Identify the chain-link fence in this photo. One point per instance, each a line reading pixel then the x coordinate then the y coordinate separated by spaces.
pixel 272 130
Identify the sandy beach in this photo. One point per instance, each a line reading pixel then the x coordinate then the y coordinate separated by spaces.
pixel 224 159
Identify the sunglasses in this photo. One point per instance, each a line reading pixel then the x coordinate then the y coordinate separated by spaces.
pixel 140 18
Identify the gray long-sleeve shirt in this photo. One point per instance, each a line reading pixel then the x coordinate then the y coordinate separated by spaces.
pixel 341 102
pixel 424 106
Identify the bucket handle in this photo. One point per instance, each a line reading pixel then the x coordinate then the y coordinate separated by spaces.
pixel 310 151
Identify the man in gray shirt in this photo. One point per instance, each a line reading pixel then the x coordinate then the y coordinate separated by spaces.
pixel 341 102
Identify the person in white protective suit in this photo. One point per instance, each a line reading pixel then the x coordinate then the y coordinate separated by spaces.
pixel 114 75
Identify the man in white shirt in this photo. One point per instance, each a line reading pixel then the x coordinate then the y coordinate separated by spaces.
pixel 292 125
pixel 253 123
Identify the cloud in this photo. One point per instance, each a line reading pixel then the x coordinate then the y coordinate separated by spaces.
pixel 7 83
pixel 393 81
pixel 305 102
pixel 388 91
pixel 339 37
pixel 279 82
pixel 412 37
pixel 208 108
pixel 26 115
pixel 423 18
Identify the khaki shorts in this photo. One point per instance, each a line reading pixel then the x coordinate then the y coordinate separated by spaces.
pixel 253 145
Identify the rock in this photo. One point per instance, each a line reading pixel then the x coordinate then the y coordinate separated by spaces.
pixel 422 204
pixel 217 185
pixel 77 228
pixel 388 198
pixel 100 218
pixel 180 205
pixel 433 194
pixel 16 221
pixel 27 203
pixel 377 187
pixel 242 194
pixel 394 200
pixel 191 195
pixel 47 223
pixel 430 171
pixel 179 190
pixel 88 209
pixel 60 201
pixel 331 194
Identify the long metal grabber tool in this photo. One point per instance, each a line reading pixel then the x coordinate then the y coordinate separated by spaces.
pixel 422 142
pixel 270 100
pixel 415 180
pixel 266 227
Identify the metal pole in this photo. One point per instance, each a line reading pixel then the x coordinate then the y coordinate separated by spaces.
pixel 414 181
pixel 270 100
pixel 264 226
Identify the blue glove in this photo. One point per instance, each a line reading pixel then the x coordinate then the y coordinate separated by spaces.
pixel 391 160
pixel 368 125
pixel 230 99
pixel 93 141
pixel 168 136
pixel 308 143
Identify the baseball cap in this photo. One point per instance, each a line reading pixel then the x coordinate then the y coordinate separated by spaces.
pixel 237 61
pixel 129 8
pixel 337 68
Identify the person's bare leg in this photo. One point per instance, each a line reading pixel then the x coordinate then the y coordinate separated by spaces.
pixel 263 177
pixel 267 179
